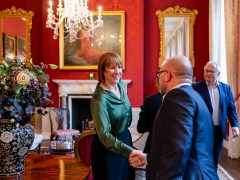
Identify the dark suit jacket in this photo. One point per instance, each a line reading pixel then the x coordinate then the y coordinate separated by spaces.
pixel 146 117
pixel 182 141
pixel 227 108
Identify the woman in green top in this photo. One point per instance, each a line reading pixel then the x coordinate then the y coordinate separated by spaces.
pixel 112 115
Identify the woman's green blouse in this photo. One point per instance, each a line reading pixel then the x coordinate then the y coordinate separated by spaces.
pixel 111 116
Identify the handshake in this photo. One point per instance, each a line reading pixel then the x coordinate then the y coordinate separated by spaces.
pixel 137 159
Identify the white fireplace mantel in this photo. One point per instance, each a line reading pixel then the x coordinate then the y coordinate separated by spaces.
pixel 67 87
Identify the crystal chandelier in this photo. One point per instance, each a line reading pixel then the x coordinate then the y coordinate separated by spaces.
pixel 76 17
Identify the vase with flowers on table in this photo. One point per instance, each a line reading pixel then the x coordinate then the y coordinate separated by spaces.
pixel 23 87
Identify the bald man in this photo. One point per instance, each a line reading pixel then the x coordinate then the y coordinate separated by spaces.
pixel 182 139
pixel 220 102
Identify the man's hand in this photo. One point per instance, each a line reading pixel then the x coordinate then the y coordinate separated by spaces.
pixel 235 131
pixel 137 158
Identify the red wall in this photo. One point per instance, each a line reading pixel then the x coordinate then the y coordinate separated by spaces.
pixel 141 41
pixel 133 47
pixel 14 22
pixel 152 38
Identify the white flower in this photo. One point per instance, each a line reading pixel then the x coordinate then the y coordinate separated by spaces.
pixel 22 151
pixel 6 137
pixel 23 78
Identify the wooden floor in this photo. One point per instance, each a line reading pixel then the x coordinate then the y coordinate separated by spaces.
pixel 232 166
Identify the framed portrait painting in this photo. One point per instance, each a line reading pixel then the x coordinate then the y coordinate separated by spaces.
pixel 9 46
pixel 84 53
pixel 21 46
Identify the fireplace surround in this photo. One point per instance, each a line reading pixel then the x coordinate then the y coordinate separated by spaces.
pixel 71 89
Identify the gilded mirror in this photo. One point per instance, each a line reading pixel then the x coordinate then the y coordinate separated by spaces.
pixel 176 32
pixel 15 33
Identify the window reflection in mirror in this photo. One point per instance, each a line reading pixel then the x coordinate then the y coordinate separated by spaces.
pixel 15 33
pixel 176 32
pixel 176 36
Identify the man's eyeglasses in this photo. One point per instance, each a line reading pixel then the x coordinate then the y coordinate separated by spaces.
pixel 158 73
pixel 209 71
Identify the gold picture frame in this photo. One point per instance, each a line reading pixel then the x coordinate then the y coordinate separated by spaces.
pixel 176 14
pixel 9 46
pixel 83 54
pixel 20 14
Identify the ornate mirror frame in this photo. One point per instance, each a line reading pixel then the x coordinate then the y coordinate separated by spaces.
pixel 18 13
pixel 176 11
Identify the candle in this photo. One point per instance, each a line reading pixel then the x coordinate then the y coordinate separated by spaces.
pixel 60 3
pixel 91 16
pixel 99 11
pixel 50 4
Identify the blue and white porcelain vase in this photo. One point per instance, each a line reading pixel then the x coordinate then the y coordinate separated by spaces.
pixel 15 143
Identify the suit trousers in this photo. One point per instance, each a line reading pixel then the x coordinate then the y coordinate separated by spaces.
pixel 218 144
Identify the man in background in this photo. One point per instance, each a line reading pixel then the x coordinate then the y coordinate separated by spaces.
pixel 146 117
pixel 220 102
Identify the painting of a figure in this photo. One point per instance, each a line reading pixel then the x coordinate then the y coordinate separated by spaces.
pixel 9 47
pixel 84 53
pixel 21 47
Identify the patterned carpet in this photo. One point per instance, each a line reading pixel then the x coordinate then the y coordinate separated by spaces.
pixel 222 174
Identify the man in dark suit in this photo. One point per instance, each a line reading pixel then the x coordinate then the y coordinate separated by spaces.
pixel 220 102
pixel 146 117
pixel 182 139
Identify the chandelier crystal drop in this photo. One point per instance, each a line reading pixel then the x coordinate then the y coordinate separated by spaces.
pixel 76 17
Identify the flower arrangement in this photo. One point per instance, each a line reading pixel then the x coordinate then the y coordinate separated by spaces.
pixel 23 87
